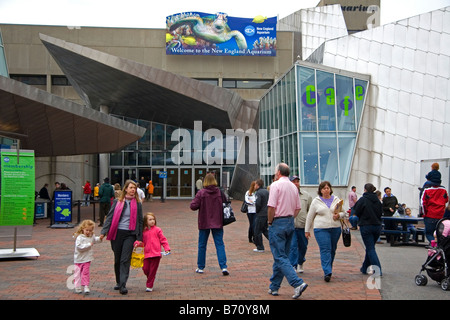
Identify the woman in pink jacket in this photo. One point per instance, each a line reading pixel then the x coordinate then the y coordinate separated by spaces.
pixel 152 240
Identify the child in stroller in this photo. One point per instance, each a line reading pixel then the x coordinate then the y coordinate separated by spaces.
pixel 436 264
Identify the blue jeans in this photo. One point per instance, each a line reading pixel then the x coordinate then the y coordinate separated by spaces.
pixel 299 246
pixel 280 238
pixel 327 240
pixel 370 235
pixel 86 197
pixel 218 242
pixel 353 221
pixel 430 227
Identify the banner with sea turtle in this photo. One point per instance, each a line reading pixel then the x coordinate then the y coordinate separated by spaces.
pixel 197 33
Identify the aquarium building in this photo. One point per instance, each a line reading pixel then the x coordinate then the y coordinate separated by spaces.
pixel 345 107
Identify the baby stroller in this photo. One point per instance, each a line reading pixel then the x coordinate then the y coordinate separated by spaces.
pixel 436 264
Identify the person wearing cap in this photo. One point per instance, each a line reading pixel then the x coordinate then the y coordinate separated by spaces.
pixel 299 243
pixel 283 206
pixel 106 192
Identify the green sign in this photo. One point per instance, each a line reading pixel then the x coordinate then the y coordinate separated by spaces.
pixel 17 188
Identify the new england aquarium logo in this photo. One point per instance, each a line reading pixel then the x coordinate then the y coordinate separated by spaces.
pixel 250 30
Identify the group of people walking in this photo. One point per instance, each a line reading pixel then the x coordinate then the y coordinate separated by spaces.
pixel 283 213
pixel 292 215
pixel 286 216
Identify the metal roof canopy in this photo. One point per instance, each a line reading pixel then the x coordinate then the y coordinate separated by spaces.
pixel 140 91
pixel 53 126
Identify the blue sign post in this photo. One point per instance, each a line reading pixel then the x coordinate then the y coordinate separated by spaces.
pixel 62 208
pixel 163 174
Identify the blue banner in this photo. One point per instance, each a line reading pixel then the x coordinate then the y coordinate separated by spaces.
pixel 62 205
pixel 197 33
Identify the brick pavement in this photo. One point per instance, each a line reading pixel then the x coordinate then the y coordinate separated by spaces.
pixel 46 277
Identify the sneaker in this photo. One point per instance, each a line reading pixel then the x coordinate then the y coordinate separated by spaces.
pixel 225 272
pixel 299 290
pixel 198 270
pixel 273 292
pixel 78 290
pixel 300 268
pixel 148 289
pixel 86 290
pixel 258 250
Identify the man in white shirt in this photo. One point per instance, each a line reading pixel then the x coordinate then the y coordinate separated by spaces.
pixel 141 193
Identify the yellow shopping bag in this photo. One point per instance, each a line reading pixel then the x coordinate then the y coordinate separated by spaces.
pixel 137 257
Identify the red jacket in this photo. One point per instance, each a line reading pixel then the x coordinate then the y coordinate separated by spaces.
pixel 153 239
pixel 434 201
pixel 87 188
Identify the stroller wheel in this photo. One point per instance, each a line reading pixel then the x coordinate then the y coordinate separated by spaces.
pixel 445 284
pixel 421 280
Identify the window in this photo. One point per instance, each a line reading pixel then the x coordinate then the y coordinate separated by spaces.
pixel 214 82
pixel 157 136
pixel 60 81
pixel 247 84
pixel 32 80
pixel 317 113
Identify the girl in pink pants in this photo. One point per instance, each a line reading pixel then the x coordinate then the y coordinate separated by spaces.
pixel 152 240
pixel 84 254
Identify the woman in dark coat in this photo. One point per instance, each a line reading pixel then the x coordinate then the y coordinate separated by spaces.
pixel 123 226
pixel 369 209
pixel 209 203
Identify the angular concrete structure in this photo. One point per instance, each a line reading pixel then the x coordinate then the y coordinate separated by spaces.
pixel 139 91
pixel 135 90
pixel 53 126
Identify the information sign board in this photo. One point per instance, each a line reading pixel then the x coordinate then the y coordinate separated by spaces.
pixel 17 187
pixel 62 207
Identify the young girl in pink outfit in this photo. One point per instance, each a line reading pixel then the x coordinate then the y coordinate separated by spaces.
pixel 152 240
pixel 84 254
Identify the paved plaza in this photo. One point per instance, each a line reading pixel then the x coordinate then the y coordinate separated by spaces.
pixel 49 276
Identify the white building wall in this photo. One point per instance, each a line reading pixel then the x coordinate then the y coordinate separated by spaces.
pixel 315 25
pixel 407 115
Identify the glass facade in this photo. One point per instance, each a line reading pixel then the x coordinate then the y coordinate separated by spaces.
pixel 157 152
pixel 311 119
pixel 3 65
pixel 5 143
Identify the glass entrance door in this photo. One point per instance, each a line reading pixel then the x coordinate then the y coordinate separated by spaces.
pixel 172 183
pixel 116 177
pixel 130 174
pixel 145 175
pixel 199 175
pixel 158 183
pixel 186 189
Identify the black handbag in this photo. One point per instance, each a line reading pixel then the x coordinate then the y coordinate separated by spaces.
pixel 228 214
pixel 244 207
pixel 346 236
